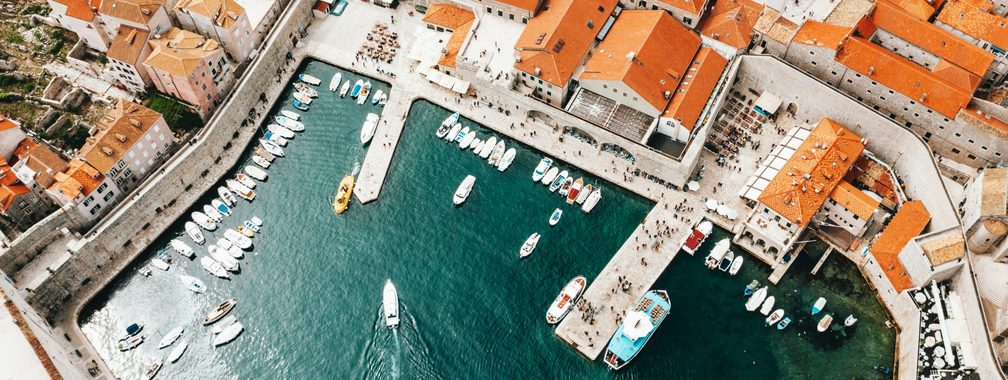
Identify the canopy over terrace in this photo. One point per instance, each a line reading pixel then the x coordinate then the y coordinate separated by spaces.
pixel 767 103
pixel 773 163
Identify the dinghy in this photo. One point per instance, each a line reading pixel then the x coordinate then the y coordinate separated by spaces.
pixel 182 248
pixel 256 173
pixel 818 305
pixel 258 222
pixel 776 316
pixel 850 321
pixel 193 283
pixel 824 323
pixel 194 233
pixel 783 323
pixel 377 95
pixel 555 217
pixel 251 226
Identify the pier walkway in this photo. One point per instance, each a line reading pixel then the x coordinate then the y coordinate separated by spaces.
pixel 383 145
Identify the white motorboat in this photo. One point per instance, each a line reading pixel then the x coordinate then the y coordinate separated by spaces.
pixel 735 265
pixel 228 334
pixel 183 248
pixel 565 186
pixel 256 173
pixel 335 81
pixel 768 305
pixel 235 252
pixel 540 170
pixel 291 124
pixel 475 145
pixel 221 207
pixel 227 196
pixel 467 140
pixel 560 178
pixel 850 321
pixel 390 304
pixel 225 244
pixel 251 226
pixel 262 162
pixel 170 337
pixel 224 322
pixel 245 180
pixel 160 264
pixel 550 175
pixel 271 147
pixel 224 259
pixel 488 147
pixel 462 135
pixel 177 352
pixel 258 222
pixel 357 87
pixel 129 342
pixel 464 188
pixel 497 153
pixel 555 217
pixel 756 299
pixel 453 132
pixel 369 127
pixel 717 253
pixel 303 98
pixel 446 125
pixel 213 267
pixel 212 213
pixel 819 305
pixel 529 246
pixel 194 233
pixel 153 369
pixel 204 221
pixel 344 89
pixel 242 190
pixel 193 283
pixel 305 89
pixel 505 162
pixel 280 141
pixel 291 115
pixel 280 130
pixel 238 239
pixel 726 261
pixel 309 79
pixel 592 200
pixel 775 317
pixel 583 195
pixel 565 300
pixel 362 96
pixel 824 323
pixel 377 96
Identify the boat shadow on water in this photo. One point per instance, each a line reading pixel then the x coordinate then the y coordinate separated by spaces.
pixel 401 352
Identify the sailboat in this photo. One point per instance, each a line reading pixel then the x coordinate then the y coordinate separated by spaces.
pixel 390 304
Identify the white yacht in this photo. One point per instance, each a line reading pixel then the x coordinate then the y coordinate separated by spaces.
pixel 717 253
pixel 529 246
pixel 488 147
pixel 204 221
pixel 565 300
pixel 369 127
pixel 194 233
pixel 505 162
pixel 540 170
pixel 193 283
pixel 550 175
pixel 592 200
pixel 464 188
pixel 390 304
pixel 756 299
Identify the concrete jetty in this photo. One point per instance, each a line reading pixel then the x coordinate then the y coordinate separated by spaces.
pixel 383 145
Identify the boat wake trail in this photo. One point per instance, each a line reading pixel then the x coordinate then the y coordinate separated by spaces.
pixel 391 352
pixel 356 168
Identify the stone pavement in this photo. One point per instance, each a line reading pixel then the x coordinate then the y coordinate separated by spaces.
pixel 89 83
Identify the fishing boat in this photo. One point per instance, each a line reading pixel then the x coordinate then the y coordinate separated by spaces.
pixel 177 352
pixel 550 176
pixel 735 265
pixel 540 170
pixel 462 135
pixel 170 337
pixel 749 289
pixel 369 127
pixel 240 189
pixel 160 263
pixel 364 92
pixel 262 162
pixel 756 299
pixel 303 98
pixel 309 79
pixel 220 311
pixel 849 321
pixel 390 305
pixel 555 217
pixel 464 188
pixel 467 140
pixel 280 130
pixel 256 173
pixel 558 181
pixel 453 132
pixel 228 334
pixel 497 153
pixel 221 207
pixel 488 147
pixel 717 253
pixel 726 261
pixel 300 105
pixel 566 186
pixel 824 323
pixel 291 115
pixel 447 124
pixel 194 233
pixel 291 124
pixel 305 89
pixel 342 199
pixel 638 326
pixel 575 189
pixel 344 89
pixel 564 301
pixel 592 201
pixel 783 323
pixel 818 306
pixel 214 267
pixel 505 162
pixel 583 194
pixel 443 130
pixel 529 246
pixel 697 237
pixel 193 283
pixel 227 246
pixel 768 305
pixel 242 229
pixel 335 81
pixel 204 221
pixel 238 239
pixel 775 317
pixel 129 343
pixel 227 196
pixel 245 180
pixel 377 95
pixel 212 213
pixel 234 251
pixel 183 248
pixel 271 147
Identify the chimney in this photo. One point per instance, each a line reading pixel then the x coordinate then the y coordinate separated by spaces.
pixel 630 56
pixel 871 70
pixel 923 97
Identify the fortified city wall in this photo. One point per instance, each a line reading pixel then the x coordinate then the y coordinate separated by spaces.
pixel 166 196
pixel 33 241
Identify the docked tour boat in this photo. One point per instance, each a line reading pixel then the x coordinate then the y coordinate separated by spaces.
pixel 818 306
pixel 194 233
pixel 575 189
pixel 583 196
pixel 335 81
pixel 639 325
pixel 183 248
pixel 698 236
pixel 342 199
pixel 464 188
pixel 756 299
pixel 529 246
pixel 558 181
pixel 193 283
pixel 305 89
pixel 220 311
pixel 565 300
pixel 291 115
pixel 214 267
pixel 775 317
pixel 555 217
pixel 717 253
pixel 309 79
pixel 735 265
pixel 541 168
pixel 255 172
pixel 550 175
pixel 204 221
pixel 592 201
pixel 369 127
pixel 390 305
pixel 505 162
pixel 824 323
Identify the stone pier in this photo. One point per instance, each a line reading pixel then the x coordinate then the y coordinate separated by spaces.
pixel 382 147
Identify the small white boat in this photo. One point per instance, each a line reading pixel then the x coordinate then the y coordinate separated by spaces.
pixel 240 189
pixel 291 124
pixel 193 283
pixel 194 233
pixel 262 162
pixel 309 79
pixel 258 222
pixel 291 115
pixel 204 221
pixel 497 153
pixel 220 311
pixel 377 95
pixel 488 147
pixel 170 337
pixel 560 178
pixel 775 317
pixel 129 343
pixel 305 89
pixel 818 306
pixel 505 162
pixel 565 300
pixel 212 213
pixel 475 145
pixel 177 352
pixel 540 170
pixel 369 127
pixel 583 195
pixel 555 217
pixel 224 244
pixel 453 132
pixel 390 304
pixel 464 188
pixel 228 334
pixel 362 97
pixel 303 98
pixel 221 207
pixel 256 173
pixel 235 252
pixel 219 326
pixel 160 264
pixel 756 299
pixel 768 305
pixel 251 226
pixel 153 369
pixel 717 253
pixel 145 271
pixel 335 81
pixel 824 323
pixel 213 267
pixel 245 180
pixel 462 135
pixel 529 246
pixel 280 130
pixel 850 321
pixel 592 200
pixel 550 175
pixel 222 257
pixel 565 186
pixel 357 87
pixel 282 142
pixel 183 248
pixel 271 147
pixel 735 265
pixel 227 196
pixel 446 125
pixel 238 239
pixel 467 140
pixel 344 89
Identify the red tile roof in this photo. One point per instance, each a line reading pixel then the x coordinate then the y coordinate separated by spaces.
pixel 556 40
pixel 458 20
pixel 6 123
pixel 920 9
pixel 528 5
pixel 908 223
pixel 854 200
pixel 821 34
pixel 696 89
pixel 732 21
pixel 693 7
pixel 81 9
pixel 974 21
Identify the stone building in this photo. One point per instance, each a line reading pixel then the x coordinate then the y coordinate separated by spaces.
pixel 83 190
pixel 36 168
pixel 126 54
pixel 729 26
pixel 150 15
pixel 688 12
pixel 222 20
pixel 11 137
pixel 514 10
pixel 985 213
pixel 455 20
pixel 190 68
pixel 969 21
pixel 79 17
pixel 127 143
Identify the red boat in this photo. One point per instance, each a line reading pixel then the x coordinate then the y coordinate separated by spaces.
pixel 698 236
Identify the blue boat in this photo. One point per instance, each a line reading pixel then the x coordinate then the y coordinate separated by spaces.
pixel 783 323
pixel 299 105
pixel 818 306
pixel 639 325
pixel 356 88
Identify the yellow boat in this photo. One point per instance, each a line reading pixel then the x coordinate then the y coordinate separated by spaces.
pixel 342 199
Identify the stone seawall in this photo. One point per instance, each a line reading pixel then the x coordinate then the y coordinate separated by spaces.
pixel 31 242
pixel 126 232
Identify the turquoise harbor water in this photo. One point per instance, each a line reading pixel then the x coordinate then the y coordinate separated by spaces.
pixel 310 295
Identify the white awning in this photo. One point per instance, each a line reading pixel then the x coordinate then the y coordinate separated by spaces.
pixel 461 86
pixel 637 325
pixel 768 102
pixel 446 81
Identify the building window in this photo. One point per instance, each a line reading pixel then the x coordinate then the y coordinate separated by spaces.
pixel 95 209
pixel 511 16
pixel 102 188
pixel 109 196
pixel 500 13
pixel 489 10
pixel 601 8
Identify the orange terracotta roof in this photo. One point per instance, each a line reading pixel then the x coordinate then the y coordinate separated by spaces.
pixel 459 21
pixel 223 13
pixel 696 89
pixel 41 159
pixel 908 223
pixel 9 193
pixel 528 5
pixel 117 132
pixel 821 34
pixel 974 116
pixel 6 123
pixel 661 49
pixel 920 9
pixel 180 52
pixel 932 38
pixel 558 38
pixel 903 76
pixel 321 6
pixel 732 21
pixel 798 191
pixel 127 44
pixel 854 200
pixel 81 9
pixel 79 180
pixel 693 7
pixel 7 176
pixel 138 11
pixel 974 21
